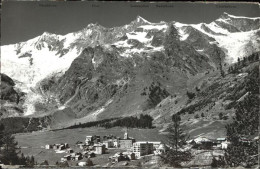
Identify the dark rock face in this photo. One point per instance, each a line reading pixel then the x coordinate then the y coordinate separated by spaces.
pixel 7 91
pixel 229 27
pixel 240 23
pixel 80 70
pixel 11 99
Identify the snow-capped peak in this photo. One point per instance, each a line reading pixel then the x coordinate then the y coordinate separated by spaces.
pixel 226 15
pixel 141 19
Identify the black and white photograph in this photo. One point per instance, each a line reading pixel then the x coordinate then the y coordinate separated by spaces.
pixel 129 84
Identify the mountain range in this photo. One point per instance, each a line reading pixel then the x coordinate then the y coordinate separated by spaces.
pixel 142 67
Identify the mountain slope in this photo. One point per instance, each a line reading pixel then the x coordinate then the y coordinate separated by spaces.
pixel 100 72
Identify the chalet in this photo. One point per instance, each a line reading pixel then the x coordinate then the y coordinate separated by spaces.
pixel 99 148
pixel 56 146
pixel 48 146
pixel 62 147
pixel 108 143
pixel 220 140
pixel 66 145
pixel 245 141
pixel 82 164
pixel 67 157
pixel 69 150
pixel 78 157
pixel 63 159
pixel 225 144
pixel 82 146
pixel 161 149
pixel 79 142
pixel 122 157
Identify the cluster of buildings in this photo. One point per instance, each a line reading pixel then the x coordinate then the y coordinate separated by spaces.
pixel 205 143
pixel 218 143
pixel 94 145
pixel 130 149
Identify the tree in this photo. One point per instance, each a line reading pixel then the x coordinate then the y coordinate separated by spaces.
pixel 245 123
pixel 176 140
pixel 220 115
pixel 176 136
pixel 238 61
pixel 196 116
pixel 218 163
pixel 89 162
pixel 222 73
pixel 10 151
pixel 190 95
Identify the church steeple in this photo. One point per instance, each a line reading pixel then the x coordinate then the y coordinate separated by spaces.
pixel 126 135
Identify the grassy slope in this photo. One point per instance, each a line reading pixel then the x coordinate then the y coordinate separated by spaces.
pixel 215 95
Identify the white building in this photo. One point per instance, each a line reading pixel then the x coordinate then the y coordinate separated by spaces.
pixel 225 144
pixel 82 164
pixel 48 146
pixel 89 139
pixel 142 148
pixel 161 149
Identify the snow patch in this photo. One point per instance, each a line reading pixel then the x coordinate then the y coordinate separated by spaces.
pixel 243 17
pixel 150 27
pixel 140 36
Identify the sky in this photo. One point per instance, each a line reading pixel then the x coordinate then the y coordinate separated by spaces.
pixel 22 21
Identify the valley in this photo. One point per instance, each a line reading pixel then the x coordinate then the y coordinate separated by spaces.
pixel 200 72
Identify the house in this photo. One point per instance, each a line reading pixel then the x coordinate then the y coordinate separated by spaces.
pixel 121 157
pixel 245 141
pixel 161 149
pixel 220 140
pixel 108 143
pixel 48 146
pixel 89 139
pixel 66 145
pixel 97 139
pixel 62 147
pixel 79 142
pixel 199 140
pixel 225 144
pixel 81 146
pixel 56 146
pixel 78 157
pixel 99 148
pixel 82 164
pixel 142 148
pixel 63 159
pixel 69 150
pixel 67 157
